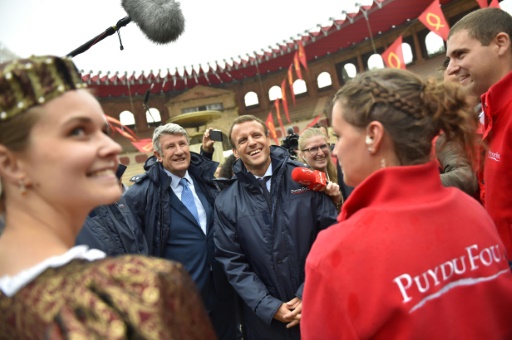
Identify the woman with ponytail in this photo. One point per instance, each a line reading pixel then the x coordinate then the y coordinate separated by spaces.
pixel 409 258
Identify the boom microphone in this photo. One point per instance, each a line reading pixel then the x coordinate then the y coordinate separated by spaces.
pixel 312 179
pixel 161 21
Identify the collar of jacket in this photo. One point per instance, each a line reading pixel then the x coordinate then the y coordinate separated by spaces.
pixel 200 167
pixel 278 156
pixel 395 186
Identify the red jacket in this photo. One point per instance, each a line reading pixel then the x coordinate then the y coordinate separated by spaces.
pixel 497 174
pixel 409 259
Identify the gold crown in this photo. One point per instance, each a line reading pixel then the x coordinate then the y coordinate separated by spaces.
pixel 28 82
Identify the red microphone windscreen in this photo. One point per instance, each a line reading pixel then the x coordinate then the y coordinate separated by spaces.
pixel 312 179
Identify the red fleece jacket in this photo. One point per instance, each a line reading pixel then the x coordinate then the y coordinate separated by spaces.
pixel 409 259
pixel 497 174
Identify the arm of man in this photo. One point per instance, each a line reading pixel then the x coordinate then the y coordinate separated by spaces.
pixel 207 148
pixel 324 214
pixel 239 273
pixel 135 200
pixel 457 169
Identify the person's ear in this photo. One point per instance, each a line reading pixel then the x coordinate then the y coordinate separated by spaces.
pixel 235 152
pixel 502 41
pixel 11 168
pixel 374 136
pixel 157 155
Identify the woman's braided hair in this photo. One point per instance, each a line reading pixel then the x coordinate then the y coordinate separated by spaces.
pixel 411 110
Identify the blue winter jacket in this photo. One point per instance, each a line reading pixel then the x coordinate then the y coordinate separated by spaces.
pixel 263 247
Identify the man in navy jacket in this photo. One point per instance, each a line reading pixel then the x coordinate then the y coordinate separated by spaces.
pixel 265 225
pixel 172 231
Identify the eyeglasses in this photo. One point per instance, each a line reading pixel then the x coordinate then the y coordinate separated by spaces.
pixel 314 150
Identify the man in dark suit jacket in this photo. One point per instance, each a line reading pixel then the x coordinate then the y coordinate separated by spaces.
pixel 173 205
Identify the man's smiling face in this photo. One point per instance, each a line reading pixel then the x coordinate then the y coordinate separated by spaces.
pixel 252 146
pixel 473 64
pixel 175 155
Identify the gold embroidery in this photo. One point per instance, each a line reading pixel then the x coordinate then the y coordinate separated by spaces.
pixel 114 298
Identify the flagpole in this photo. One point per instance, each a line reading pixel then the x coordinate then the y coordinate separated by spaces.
pixel 366 18
pixel 259 78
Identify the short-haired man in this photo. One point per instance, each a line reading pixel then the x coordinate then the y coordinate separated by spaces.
pixel 173 204
pixel 265 225
pixel 480 53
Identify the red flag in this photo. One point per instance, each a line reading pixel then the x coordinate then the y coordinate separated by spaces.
pixel 393 56
pixel 144 145
pixel 302 56
pixel 495 4
pixel 435 21
pixel 271 127
pixel 125 134
pixel 297 65
pixel 276 104
pixel 290 82
pixel 285 101
pixel 314 121
pixel 482 3
pixel 124 130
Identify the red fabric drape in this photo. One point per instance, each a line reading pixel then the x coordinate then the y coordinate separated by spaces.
pixel 393 57
pixel 271 127
pixel 433 18
pixel 302 56
pixel 144 145
pixel 276 104
pixel 285 100
pixel 495 4
pixel 290 82
pixel 296 63
pixel 482 3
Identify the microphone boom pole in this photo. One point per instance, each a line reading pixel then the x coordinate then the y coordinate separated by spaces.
pixel 108 32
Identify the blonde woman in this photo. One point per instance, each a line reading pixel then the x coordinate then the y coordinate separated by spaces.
pixel 315 151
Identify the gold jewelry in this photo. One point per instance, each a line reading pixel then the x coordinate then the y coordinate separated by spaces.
pixel 33 81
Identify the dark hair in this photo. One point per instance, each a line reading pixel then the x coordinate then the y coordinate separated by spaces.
pixel 226 168
pixel 244 119
pixel 411 110
pixel 484 24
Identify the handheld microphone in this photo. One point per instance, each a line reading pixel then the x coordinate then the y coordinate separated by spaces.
pixel 161 21
pixel 312 179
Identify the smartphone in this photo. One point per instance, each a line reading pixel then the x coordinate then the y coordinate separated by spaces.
pixel 216 135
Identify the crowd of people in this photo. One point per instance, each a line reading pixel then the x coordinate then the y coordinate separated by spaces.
pixel 410 238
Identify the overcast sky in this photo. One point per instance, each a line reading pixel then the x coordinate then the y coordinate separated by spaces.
pixel 215 30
